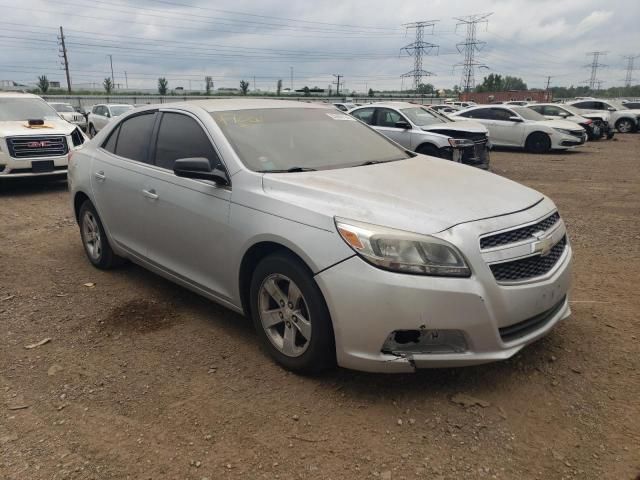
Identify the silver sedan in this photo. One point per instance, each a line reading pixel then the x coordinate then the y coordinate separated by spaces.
pixel 343 247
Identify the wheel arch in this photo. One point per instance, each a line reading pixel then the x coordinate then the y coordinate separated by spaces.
pixel 78 199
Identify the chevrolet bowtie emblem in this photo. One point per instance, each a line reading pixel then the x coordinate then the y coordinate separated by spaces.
pixel 543 246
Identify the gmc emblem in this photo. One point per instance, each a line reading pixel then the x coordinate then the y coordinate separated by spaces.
pixel 40 144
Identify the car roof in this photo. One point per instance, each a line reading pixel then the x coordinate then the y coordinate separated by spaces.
pixel 18 95
pixel 227 104
pixel 394 105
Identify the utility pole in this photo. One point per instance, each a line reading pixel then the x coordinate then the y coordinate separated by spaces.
pixel 630 60
pixel 337 82
pixel 291 79
pixel 469 47
pixel 417 50
pixel 593 80
pixel 65 58
pixel 112 79
pixel 126 80
pixel 254 83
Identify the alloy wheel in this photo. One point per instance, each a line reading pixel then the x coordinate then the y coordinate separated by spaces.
pixel 91 236
pixel 624 126
pixel 284 315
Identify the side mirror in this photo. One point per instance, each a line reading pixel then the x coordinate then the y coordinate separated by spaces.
pixel 402 124
pixel 199 168
pixel 107 114
pixel 611 109
pixel 564 115
pixel 515 119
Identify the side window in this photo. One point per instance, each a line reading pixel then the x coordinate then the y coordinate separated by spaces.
pixel 364 114
pixel 552 111
pixel 586 105
pixel 482 113
pixel 540 109
pixel 134 137
pixel 502 114
pixel 180 136
pixel 388 118
pixel 110 144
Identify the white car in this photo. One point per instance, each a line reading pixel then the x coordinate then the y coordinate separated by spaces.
pixel 594 124
pixel 522 127
pixel 68 113
pixel 34 140
pixel 625 120
pixel 344 106
pixel 460 104
pixel 518 103
pixel 101 114
pixel 420 129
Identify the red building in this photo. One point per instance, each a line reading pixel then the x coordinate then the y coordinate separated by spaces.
pixel 489 97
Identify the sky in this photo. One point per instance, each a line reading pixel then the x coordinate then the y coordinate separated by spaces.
pixel 263 41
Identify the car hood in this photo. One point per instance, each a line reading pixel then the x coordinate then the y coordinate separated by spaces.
pixel 422 194
pixel 460 126
pixel 565 124
pixel 50 127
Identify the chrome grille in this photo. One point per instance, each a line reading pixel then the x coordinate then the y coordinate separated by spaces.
pixel 519 234
pixel 37 146
pixel 529 267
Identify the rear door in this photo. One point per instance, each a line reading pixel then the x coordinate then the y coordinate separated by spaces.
pixel 187 219
pixel 385 120
pixel 117 178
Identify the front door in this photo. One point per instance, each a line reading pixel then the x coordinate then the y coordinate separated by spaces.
pixel 385 122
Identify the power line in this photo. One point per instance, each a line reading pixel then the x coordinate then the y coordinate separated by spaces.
pixel 629 78
pixel 65 59
pixel 470 46
pixel 593 80
pixel 417 50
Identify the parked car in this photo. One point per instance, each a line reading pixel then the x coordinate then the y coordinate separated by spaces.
pixel 460 104
pixel 101 115
pixel 445 109
pixel 342 246
pixel 624 119
pixel 425 131
pixel 344 106
pixel 522 127
pixel 34 140
pixel 518 103
pixel 594 124
pixel 633 105
pixel 67 112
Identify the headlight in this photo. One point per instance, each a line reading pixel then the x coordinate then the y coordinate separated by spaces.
pixel 563 131
pixel 460 142
pixel 401 251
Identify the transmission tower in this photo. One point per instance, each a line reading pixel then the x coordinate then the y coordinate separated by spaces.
pixel 629 78
pixel 593 81
pixel 469 47
pixel 417 50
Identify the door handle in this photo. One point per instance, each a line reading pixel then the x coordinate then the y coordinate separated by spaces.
pixel 100 176
pixel 150 194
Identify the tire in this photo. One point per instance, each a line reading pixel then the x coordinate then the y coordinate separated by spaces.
pixel 428 149
pixel 538 142
pixel 625 125
pixel 94 240
pixel 285 325
pixel 92 130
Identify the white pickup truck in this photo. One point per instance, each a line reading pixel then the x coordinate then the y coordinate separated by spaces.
pixel 34 140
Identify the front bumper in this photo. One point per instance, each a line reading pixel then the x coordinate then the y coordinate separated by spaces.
pixel 368 304
pixel 32 167
pixel 564 141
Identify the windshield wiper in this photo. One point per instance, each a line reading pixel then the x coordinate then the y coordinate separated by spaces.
pixel 289 170
pixel 375 162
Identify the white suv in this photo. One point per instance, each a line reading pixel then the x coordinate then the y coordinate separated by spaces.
pixel 624 119
pixel 68 113
pixel 34 140
pixel 101 115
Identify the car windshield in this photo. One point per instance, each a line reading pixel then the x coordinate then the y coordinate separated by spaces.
pixel 12 109
pixel 528 114
pixel 62 107
pixel 571 109
pixel 117 110
pixel 279 139
pixel 422 117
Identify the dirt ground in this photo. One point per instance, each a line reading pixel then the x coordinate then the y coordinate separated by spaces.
pixel 142 379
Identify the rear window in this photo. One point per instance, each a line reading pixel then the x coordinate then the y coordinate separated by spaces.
pixel 316 138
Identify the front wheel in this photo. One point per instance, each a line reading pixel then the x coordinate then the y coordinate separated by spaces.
pixel 92 130
pixel 625 125
pixel 291 316
pixel 538 142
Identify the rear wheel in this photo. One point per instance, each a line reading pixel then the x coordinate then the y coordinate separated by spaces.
pixel 625 125
pixel 291 316
pixel 538 142
pixel 94 240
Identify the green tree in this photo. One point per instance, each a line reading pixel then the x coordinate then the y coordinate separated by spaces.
pixel 425 89
pixel 372 93
pixel 208 84
pixel 108 85
pixel 497 83
pixel 43 83
pixel 513 83
pixel 163 86
pixel 279 87
pixel 307 92
pixel 244 87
